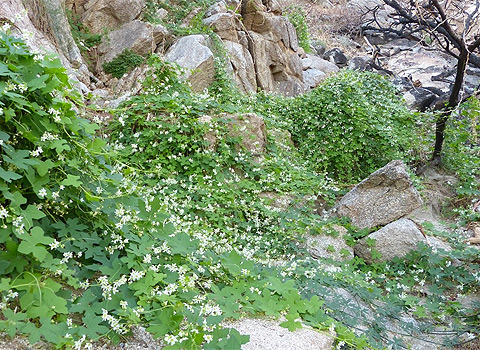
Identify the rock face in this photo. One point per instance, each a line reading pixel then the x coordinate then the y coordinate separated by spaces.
pixel 277 69
pixel 269 335
pixel 242 64
pixel 24 25
pixel 394 240
pixel 386 195
pixel 251 130
pixel 110 14
pixel 192 53
pixel 263 46
pixel 225 25
pixel 328 246
pixel 315 69
pixel 273 44
pixel 137 36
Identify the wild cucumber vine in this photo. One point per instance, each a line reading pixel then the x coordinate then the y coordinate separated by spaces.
pixel 87 247
pixel 349 126
pixel 296 16
pixel 173 224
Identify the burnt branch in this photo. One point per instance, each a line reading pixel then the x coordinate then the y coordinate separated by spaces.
pixel 453 27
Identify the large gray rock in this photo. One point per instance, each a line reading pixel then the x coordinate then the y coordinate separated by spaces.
pixel 313 77
pixel 360 63
pixel 192 52
pixel 110 14
pixel 330 245
pixel 383 197
pixel 394 240
pixel 269 335
pixel 314 62
pixel 137 36
pixel 225 25
pixel 419 98
pixel 243 68
pixel 315 70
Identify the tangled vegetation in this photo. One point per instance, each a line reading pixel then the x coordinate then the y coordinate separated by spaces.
pixel 123 63
pixel 296 16
pixel 167 222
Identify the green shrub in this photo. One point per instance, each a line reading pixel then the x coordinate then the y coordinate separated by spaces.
pixel 462 147
pixel 81 34
pixel 350 125
pixel 123 63
pixel 297 17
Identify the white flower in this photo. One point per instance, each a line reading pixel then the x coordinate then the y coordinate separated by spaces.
pixel 36 152
pixel 208 338
pixel 104 314
pixel 54 245
pixel 136 275
pixel 42 193
pixel 55 114
pixel 6 27
pixel 11 294
pixel 38 57
pixel 3 213
pixel 47 136
pixel 22 87
pixel 170 339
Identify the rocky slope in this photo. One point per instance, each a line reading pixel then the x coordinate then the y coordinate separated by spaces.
pixel 262 53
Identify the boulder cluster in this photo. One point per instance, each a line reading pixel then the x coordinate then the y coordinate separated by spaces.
pixel 383 203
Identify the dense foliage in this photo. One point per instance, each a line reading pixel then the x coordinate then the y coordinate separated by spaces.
pixel 296 16
pixel 173 224
pixel 462 147
pixel 349 126
pixel 87 251
pixel 123 63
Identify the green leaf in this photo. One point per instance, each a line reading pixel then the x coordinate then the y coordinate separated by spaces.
pixel 181 243
pixel 21 158
pixel 16 199
pixel 163 322
pixel 38 82
pixel 290 323
pixel 9 114
pixel 71 180
pixel 4 136
pixel 93 324
pixel 34 243
pixel 31 213
pixel 8 176
pixel 44 167
pixel 14 321
pixel 60 146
